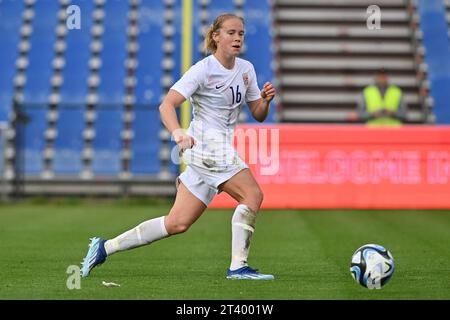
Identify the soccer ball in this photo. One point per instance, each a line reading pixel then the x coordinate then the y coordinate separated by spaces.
pixel 372 266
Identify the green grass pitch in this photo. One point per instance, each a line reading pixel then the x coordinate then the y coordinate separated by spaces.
pixel 308 251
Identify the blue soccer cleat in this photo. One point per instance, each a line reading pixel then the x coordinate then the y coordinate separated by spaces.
pixel 247 273
pixel 95 256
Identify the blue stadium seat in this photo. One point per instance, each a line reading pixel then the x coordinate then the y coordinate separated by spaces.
pixel 107 143
pixel 258 39
pixel 218 7
pixel 77 54
pixel 33 142
pixel 112 72
pixel 214 8
pixel 146 143
pixel 68 144
pixel 149 72
pixel 197 36
pixel 2 150
pixel 437 45
pixel 258 43
pixel 10 23
pixel 176 72
pixel 39 71
pixel 149 90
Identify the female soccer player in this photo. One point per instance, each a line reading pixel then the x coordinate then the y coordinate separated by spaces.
pixel 217 87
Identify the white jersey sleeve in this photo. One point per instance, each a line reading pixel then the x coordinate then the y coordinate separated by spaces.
pixel 190 81
pixel 253 92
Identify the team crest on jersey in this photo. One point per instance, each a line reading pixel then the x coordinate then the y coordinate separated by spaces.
pixel 245 78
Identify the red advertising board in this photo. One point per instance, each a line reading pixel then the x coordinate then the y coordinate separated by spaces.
pixel 334 166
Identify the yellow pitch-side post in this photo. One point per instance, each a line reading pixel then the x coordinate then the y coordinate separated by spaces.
pixel 186 40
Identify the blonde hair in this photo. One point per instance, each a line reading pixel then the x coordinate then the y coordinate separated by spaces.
pixel 209 44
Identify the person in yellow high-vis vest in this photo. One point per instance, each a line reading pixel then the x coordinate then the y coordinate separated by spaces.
pixel 382 103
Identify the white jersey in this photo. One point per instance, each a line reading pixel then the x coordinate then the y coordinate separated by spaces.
pixel 217 96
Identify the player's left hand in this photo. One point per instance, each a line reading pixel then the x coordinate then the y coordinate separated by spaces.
pixel 268 92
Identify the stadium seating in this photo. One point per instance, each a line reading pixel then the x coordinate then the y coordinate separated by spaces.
pixel 68 144
pixel 107 127
pixel 83 82
pixel 92 95
pixel 150 55
pixel 258 45
pixel 447 6
pixel 218 7
pixel 10 22
pixel 434 27
pixel 326 55
pixel 70 122
pixel 146 143
pixel 148 90
pixel 107 143
pixel 200 25
pixel 174 21
pixel 77 54
pixel 114 52
pixel 32 142
pixel 42 40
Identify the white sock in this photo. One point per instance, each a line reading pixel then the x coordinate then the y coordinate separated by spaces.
pixel 145 233
pixel 242 228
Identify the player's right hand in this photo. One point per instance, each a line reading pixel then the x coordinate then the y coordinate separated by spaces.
pixel 183 140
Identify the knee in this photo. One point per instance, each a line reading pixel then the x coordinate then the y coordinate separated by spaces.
pixel 177 228
pixel 255 200
pixel 259 197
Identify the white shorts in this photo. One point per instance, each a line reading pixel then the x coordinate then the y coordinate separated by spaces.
pixel 204 183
